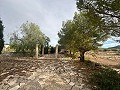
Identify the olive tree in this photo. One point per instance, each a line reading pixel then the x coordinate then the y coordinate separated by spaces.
pixel 26 38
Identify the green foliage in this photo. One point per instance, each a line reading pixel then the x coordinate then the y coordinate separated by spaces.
pixel 106 79
pixel 82 34
pixel 1 37
pixel 105 50
pixel 45 50
pixel 108 10
pixel 26 39
pixel 52 50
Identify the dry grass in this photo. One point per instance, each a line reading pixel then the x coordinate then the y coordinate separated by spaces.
pixel 104 57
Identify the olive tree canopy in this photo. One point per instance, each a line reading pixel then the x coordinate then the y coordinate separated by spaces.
pixel 27 37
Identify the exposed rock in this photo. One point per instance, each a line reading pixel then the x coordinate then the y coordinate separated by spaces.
pixel 72 84
pixel 15 88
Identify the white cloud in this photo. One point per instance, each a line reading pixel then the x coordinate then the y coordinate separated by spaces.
pixel 46 13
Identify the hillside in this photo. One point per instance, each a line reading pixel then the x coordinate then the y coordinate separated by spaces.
pixel 116 47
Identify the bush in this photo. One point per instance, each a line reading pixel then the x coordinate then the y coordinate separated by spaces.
pixel 52 50
pixel 106 79
pixel 45 50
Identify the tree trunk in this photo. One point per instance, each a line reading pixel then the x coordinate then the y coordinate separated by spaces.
pixel 70 52
pixel 82 56
pixel 43 50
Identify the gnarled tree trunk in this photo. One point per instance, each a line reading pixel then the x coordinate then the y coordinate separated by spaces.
pixel 82 58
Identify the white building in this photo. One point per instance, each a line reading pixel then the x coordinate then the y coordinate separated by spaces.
pixel 6 48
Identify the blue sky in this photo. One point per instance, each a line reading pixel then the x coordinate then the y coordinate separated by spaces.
pixel 48 14
pixel 111 42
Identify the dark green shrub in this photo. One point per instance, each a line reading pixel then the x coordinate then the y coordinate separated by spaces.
pixel 104 50
pixel 45 50
pixel 106 79
pixel 52 50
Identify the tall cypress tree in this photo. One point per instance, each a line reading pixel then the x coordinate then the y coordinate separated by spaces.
pixel 1 36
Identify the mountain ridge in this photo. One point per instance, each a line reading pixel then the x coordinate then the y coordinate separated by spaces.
pixel 115 47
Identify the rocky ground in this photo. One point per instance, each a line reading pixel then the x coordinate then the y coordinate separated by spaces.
pixel 44 75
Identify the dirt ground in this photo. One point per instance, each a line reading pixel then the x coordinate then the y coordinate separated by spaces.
pixel 57 74
pixel 30 74
pixel 44 75
pixel 104 57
